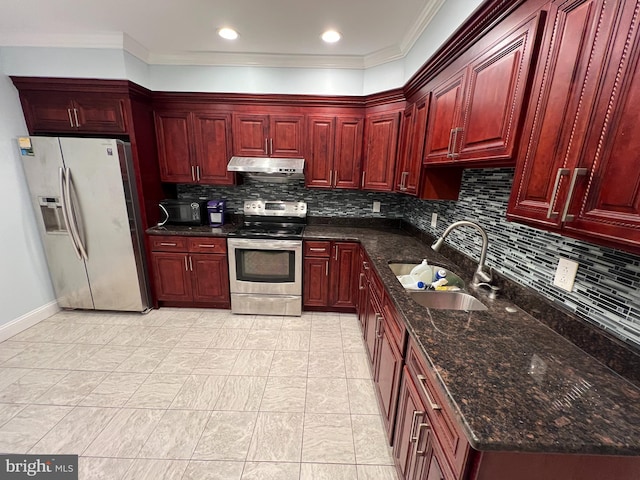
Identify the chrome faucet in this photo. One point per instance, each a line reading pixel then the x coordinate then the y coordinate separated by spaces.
pixel 481 277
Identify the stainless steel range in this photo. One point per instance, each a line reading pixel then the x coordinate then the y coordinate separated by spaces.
pixel 265 259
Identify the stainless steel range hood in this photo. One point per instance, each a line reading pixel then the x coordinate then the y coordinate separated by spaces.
pixel 268 169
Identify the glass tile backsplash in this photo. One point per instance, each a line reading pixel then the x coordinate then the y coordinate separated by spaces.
pixel 607 287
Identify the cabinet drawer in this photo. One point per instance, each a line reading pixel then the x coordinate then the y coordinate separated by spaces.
pixel 450 438
pixel 208 245
pixel 376 286
pixel 168 243
pixel 317 249
pixel 394 324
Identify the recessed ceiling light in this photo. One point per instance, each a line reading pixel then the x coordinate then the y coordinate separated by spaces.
pixel 331 36
pixel 228 33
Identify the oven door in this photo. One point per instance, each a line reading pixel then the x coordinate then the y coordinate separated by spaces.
pixel 265 266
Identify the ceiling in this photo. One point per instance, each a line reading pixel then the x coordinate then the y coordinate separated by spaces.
pixel 272 32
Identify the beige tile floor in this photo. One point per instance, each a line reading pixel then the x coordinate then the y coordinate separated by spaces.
pixel 195 394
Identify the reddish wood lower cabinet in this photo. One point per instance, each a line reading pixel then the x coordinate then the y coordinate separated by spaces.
pixel 330 275
pixel 184 276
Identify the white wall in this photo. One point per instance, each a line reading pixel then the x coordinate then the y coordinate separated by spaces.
pixel 25 285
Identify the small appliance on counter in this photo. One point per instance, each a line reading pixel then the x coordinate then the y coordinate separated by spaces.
pixel 183 212
pixel 215 212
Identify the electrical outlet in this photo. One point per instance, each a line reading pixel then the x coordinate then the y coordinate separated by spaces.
pixel 376 207
pixel 565 274
pixel 434 220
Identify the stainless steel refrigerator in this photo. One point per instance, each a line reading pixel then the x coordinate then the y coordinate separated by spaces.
pixel 84 194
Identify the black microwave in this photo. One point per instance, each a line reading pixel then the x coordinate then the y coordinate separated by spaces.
pixel 183 212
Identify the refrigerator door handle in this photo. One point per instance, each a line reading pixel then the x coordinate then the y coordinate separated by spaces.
pixel 65 215
pixel 71 215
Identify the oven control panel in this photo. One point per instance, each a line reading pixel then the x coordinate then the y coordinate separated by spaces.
pixel 274 208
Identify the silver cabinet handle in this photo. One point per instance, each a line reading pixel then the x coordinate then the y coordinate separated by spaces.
pixel 412 437
pixel 378 317
pixel 360 285
pixel 331 178
pixel 363 178
pixel 313 249
pixel 420 428
pixel 75 114
pixel 561 173
pixel 70 118
pixel 454 154
pixel 65 215
pixel 207 246
pixel 365 265
pixel 449 153
pixel 326 269
pixel 186 266
pixel 432 404
pixel 163 244
pixel 266 146
pixel 193 173
pixel 336 255
pixel 198 173
pixel 577 172
pixel 190 263
pixel 271 146
pixel 403 181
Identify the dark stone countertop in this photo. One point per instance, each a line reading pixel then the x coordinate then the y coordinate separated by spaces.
pixel 513 383
pixel 197 231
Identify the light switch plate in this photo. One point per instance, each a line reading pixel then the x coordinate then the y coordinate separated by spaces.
pixel 376 206
pixel 434 220
pixel 565 274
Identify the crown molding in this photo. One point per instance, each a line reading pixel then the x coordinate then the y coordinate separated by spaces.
pixel 62 40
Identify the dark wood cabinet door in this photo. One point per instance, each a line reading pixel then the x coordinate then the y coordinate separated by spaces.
pixel 411 413
pixel 48 112
pixel 387 375
pixel 412 149
pixel 315 292
pixel 173 133
pixel 444 119
pixel 372 325
pixel 344 272
pixel 495 89
pixel 213 148
pixel 320 151
pixel 381 132
pixel 250 134
pixel 347 160
pixel 434 472
pixel 561 100
pixel 605 205
pixel 209 278
pixel 172 276
pixel 96 113
pixel 286 136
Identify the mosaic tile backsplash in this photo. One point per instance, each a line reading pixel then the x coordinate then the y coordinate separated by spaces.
pixel 607 287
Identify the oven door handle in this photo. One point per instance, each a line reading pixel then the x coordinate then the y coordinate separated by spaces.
pixel 270 244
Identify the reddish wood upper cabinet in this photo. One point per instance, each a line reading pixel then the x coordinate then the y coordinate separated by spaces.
pixel 194 147
pixel 184 275
pixel 268 135
pixel 578 172
pixel 334 151
pixel 476 114
pixel 62 112
pixel 381 143
pixel 331 275
pixel 414 126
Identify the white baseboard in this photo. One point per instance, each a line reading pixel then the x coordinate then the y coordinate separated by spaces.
pixel 27 320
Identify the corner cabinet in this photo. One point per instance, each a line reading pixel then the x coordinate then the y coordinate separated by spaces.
pixel 190 271
pixel 330 275
pixel 578 174
pixel 412 139
pixel 381 143
pixel 476 114
pixel 194 147
pixel 272 135
pixel 334 151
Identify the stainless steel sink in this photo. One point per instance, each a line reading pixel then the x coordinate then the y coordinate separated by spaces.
pixel 453 280
pixel 447 300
